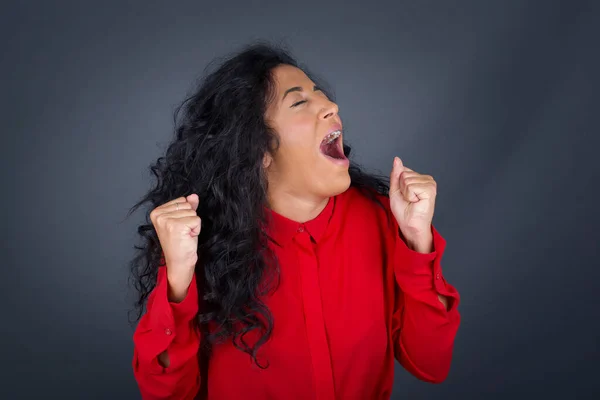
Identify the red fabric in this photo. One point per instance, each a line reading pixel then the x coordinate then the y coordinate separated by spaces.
pixel 352 299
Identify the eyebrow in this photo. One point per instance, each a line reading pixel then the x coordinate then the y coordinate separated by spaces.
pixel 298 89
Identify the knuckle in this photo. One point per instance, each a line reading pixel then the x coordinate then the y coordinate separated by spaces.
pixel 161 220
pixel 169 226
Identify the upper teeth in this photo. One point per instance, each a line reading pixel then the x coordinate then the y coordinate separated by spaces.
pixel 332 136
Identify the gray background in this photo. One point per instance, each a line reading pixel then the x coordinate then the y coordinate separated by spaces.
pixel 498 100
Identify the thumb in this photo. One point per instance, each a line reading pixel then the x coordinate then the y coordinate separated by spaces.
pixel 395 175
pixel 194 200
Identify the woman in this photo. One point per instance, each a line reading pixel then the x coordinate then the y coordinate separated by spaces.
pixel 273 268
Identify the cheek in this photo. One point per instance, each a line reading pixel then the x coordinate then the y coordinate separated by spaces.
pixel 296 154
pixel 299 135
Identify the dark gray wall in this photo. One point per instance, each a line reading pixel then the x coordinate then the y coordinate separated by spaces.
pixel 498 100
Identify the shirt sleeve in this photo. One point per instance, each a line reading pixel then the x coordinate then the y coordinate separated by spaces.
pixel 423 329
pixel 167 326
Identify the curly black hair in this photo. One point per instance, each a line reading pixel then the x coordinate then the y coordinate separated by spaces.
pixel 220 140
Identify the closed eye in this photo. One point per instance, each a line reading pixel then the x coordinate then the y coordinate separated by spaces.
pixel 299 89
pixel 298 103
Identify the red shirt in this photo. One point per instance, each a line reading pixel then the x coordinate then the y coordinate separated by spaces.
pixel 352 299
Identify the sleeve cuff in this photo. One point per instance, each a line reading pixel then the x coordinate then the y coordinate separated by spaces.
pixel 169 315
pixel 186 309
pixel 414 259
pixel 418 272
pixel 165 321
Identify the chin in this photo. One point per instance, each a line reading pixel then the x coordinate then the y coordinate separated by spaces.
pixel 339 185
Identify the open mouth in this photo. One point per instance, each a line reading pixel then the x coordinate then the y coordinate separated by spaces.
pixel 331 146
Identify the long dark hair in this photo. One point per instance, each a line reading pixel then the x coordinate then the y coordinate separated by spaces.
pixel 220 140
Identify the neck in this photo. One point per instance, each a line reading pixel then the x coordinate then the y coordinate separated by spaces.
pixel 295 207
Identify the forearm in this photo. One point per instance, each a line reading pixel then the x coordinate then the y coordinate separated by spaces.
pixel 425 341
pixel 155 382
pixel 166 343
pixel 423 244
pixel 426 317
pixel 175 295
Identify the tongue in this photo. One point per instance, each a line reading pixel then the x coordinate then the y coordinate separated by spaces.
pixel 332 150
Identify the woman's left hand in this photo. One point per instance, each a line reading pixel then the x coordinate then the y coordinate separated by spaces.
pixel 412 200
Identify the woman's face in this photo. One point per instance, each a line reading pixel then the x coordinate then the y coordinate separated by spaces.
pixel 303 117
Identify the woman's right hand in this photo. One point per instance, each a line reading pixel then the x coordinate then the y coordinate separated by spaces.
pixel 178 226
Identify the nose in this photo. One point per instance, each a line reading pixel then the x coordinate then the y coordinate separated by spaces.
pixel 329 110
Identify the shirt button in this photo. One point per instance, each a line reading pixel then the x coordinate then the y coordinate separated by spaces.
pixel 301 229
pixel 437 276
pixel 168 332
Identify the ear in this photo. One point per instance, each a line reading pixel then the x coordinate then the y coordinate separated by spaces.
pixel 267 160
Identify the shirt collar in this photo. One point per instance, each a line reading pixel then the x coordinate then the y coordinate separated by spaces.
pixel 282 230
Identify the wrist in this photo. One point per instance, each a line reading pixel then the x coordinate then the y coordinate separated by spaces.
pixel 176 295
pixel 177 288
pixel 421 243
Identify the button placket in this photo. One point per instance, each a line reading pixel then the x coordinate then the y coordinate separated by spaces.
pixel 314 319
